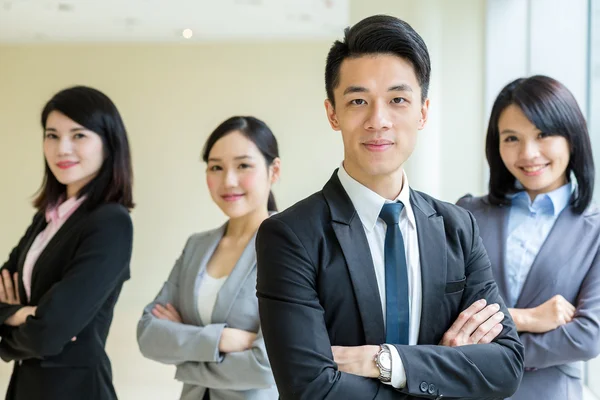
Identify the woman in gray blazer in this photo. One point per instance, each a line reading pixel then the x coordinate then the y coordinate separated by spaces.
pixel 205 318
pixel 542 233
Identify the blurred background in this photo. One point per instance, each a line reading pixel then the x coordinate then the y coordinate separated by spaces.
pixel 177 68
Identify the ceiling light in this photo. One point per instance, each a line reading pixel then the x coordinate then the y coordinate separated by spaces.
pixel 187 33
pixel 65 7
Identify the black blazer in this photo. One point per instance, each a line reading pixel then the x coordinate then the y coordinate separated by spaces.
pixel 75 285
pixel 317 288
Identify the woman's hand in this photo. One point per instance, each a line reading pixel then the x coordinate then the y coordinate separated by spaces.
pixel 20 316
pixel 544 318
pixel 167 312
pixel 9 288
pixel 234 340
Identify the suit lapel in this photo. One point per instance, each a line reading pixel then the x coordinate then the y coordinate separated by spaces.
pixel 494 233
pixel 228 293
pixel 353 241
pixel 202 253
pixel 39 225
pixel 64 233
pixel 433 260
pixel 548 261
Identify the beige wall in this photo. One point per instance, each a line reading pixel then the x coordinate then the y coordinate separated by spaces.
pixel 172 96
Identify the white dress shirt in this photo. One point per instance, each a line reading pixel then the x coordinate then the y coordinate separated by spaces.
pixel 368 205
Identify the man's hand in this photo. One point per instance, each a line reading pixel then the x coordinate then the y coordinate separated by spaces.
pixel 544 318
pixel 478 324
pixel 357 360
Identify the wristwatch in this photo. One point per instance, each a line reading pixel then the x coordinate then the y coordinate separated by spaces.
pixel 383 360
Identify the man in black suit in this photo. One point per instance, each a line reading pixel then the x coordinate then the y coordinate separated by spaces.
pixel 368 289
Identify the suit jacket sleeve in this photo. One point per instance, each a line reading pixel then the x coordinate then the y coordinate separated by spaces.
pixel 100 264
pixel 243 370
pixel 579 340
pixel 7 310
pixel 170 342
pixel 478 371
pixel 291 317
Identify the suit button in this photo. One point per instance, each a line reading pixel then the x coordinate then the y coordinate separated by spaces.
pixel 424 387
pixel 432 389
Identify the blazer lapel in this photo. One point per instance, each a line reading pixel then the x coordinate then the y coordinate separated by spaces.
pixel 202 253
pixel 39 225
pixel 494 233
pixel 65 232
pixel 433 260
pixel 228 293
pixel 548 261
pixel 353 241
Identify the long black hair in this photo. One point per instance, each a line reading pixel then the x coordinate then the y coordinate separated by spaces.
pixel 93 110
pixel 552 108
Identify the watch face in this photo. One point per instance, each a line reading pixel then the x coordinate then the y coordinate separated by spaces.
pixel 385 360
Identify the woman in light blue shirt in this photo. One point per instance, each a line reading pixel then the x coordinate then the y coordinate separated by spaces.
pixel 542 232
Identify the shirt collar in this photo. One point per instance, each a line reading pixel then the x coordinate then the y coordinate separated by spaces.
pixel 58 212
pixel 368 204
pixel 555 201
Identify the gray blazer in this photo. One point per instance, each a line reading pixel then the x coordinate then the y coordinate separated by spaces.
pixel 568 264
pixel 194 345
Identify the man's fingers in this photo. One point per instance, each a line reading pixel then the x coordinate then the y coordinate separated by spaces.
pixel 486 327
pixel 465 316
pixel 479 318
pixel 491 335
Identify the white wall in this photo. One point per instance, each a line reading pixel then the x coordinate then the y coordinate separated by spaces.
pixel 529 37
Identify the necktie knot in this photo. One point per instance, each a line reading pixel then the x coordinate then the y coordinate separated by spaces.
pixel 390 213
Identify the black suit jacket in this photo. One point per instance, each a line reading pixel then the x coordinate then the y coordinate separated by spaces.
pixel 75 284
pixel 317 288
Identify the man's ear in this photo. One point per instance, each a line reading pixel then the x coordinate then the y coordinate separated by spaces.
pixel 424 114
pixel 332 115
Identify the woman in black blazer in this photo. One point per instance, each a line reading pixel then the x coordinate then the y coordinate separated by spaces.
pixel 61 282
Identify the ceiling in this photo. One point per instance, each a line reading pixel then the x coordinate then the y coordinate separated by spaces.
pixel 45 21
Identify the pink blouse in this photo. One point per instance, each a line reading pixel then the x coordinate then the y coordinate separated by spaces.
pixel 55 217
